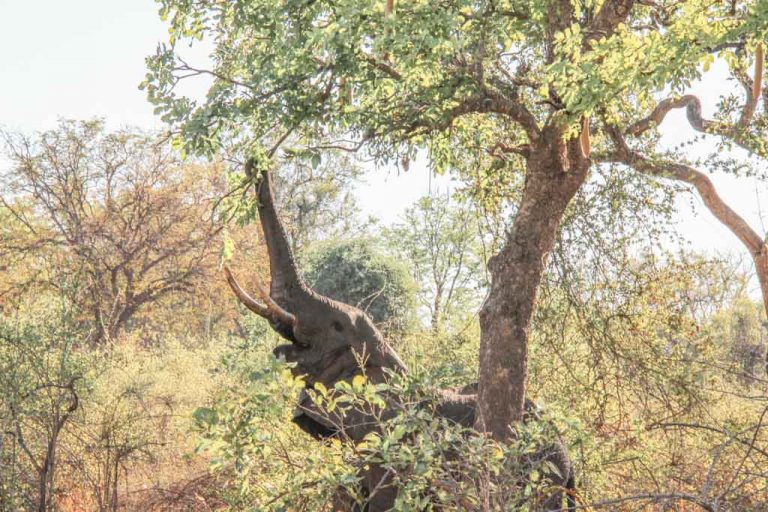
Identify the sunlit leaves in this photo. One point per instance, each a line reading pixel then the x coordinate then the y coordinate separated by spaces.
pixel 277 470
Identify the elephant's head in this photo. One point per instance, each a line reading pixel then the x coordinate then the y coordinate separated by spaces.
pixel 328 339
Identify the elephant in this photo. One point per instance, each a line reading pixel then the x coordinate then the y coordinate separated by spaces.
pixel 329 342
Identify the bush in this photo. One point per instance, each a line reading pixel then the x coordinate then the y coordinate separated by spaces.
pixel 41 393
pixel 356 273
pixel 435 463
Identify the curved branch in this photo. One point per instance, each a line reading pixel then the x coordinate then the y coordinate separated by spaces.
pixel 382 65
pixel 693 106
pixel 750 102
pixel 494 102
pixel 652 498
pixel 488 102
pixel 685 173
pixel 755 244
pixel 697 121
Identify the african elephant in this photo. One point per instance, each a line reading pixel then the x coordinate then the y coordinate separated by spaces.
pixel 329 340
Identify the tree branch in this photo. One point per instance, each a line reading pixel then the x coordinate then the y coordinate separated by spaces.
pixel 490 102
pixel 687 174
pixel 692 104
pixel 693 111
pixel 611 14
pixel 382 66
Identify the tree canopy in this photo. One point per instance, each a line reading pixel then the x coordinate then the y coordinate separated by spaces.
pixel 441 241
pixel 559 90
pixel 116 212
pixel 487 73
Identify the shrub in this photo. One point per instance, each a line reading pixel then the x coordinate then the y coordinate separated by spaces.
pixel 278 467
pixel 355 272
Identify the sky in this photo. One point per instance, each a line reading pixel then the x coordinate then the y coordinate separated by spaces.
pixel 85 58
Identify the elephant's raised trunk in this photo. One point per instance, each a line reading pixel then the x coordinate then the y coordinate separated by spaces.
pixel 287 287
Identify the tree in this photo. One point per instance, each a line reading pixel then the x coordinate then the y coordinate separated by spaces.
pixel 524 86
pixel 440 239
pixel 741 328
pixel 119 209
pixel 41 379
pixel 354 272
pixel 315 197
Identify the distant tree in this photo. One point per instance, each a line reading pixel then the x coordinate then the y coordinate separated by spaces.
pixel 41 384
pixel 118 208
pixel 316 198
pixel 355 272
pixel 740 329
pixel 440 239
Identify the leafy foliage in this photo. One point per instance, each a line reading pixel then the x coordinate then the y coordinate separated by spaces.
pixel 348 66
pixel 42 383
pixel 441 241
pixel 419 449
pixel 356 272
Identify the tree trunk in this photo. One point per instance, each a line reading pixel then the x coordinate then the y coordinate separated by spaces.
pixel 761 268
pixel 437 310
pixel 46 475
pixel 554 172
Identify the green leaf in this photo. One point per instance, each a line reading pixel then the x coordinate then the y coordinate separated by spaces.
pixel 206 415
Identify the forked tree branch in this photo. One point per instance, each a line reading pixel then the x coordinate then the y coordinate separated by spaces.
pixel 487 102
pixel 692 104
pixel 757 246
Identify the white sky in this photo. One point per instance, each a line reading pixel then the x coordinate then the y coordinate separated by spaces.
pixel 85 58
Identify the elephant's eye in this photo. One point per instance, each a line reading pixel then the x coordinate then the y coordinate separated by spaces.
pixel 337 325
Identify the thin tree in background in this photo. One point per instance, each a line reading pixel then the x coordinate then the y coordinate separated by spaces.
pixel 440 239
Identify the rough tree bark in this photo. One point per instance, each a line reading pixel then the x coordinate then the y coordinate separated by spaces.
pixel 555 171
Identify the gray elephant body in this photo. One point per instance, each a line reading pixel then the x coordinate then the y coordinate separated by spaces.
pixel 456 405
pixel 328 342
